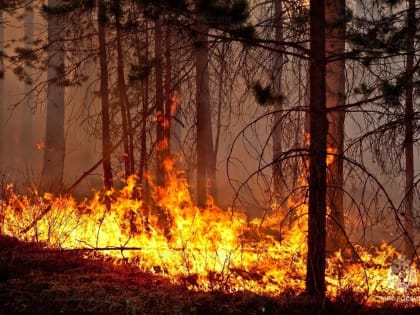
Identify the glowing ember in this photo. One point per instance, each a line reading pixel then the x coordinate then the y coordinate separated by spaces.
pixel 204 249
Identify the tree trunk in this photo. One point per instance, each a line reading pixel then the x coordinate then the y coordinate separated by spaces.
pixel 335 28
pixel 122 93
pixel 103 60
pixel 2 109
pixel 409 130
pixel 221 89
pixel 204 125
pixel 315 269
pixel 277 128
pixel 145 101
pixel 176 125
pixel 160 119
pixel 27 106
pixel 52 172
pixel 168 93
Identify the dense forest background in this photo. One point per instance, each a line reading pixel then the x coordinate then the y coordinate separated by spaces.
pixel 95 91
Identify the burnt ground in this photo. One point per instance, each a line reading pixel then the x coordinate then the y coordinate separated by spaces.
pixel 35 280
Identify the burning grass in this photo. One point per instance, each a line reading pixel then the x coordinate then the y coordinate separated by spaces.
pixel 203 250
pixel 49 281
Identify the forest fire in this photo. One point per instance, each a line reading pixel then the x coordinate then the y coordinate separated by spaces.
pixel 208 249
pixel 295 125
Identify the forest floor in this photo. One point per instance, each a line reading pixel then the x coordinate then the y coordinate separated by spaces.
pixel 35 280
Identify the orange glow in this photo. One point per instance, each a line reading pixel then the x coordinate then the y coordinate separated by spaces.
pixel 175 102
pixel 40 145
pixel 203 249
pixel 331 155
pixel 162 145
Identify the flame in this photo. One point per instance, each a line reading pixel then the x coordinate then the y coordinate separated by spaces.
pixel 203 249
pixel 331 155
pixel 162 145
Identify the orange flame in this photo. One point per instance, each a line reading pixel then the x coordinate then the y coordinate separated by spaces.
pixel 204 249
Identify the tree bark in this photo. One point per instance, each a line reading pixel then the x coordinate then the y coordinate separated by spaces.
pixel 277 128
pixel 160 110
pixel 204 125
pixel 2 109
pixel 26 128
pixel 143 168
pixel 335 29
pixel 168 93
pixel 104 91
pixel 52 172
pixel 409 131
pixel 315 269
pixel 127 155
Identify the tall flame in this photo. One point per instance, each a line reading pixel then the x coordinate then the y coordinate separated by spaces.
pixel 204 249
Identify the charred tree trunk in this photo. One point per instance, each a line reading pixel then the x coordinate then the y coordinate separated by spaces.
pixel 204 125
pixel 52 172
pixel 143 167
pixel 27 107
pixel 2 109
pixel 409 131
pixel 160 119
pixel 335 28
pixel 222 77
pixel 103 60
pixel 168 94
pixel 176 124
pixel 315 269
pixel 277 128
pixel 122 92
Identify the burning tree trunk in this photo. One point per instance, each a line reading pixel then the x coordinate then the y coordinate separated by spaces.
pixel 103 60
pixel 409 124
pixel 277 128
pixel 335 27
pixel 52 172
pixel 315 269
pixel 204 125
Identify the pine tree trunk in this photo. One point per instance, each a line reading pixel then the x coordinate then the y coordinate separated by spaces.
pixel 27 107
pixel 204 125
pixel 122 94
pixel 103 60
pixel 176 125
pixel 277 128
pixel 409 131
pixel 335 29
pixel 315 269
pixel 160 111
pixel 168 93
pixel 2 109
pixel 143 165
pixel 221 89
pixel 52 172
